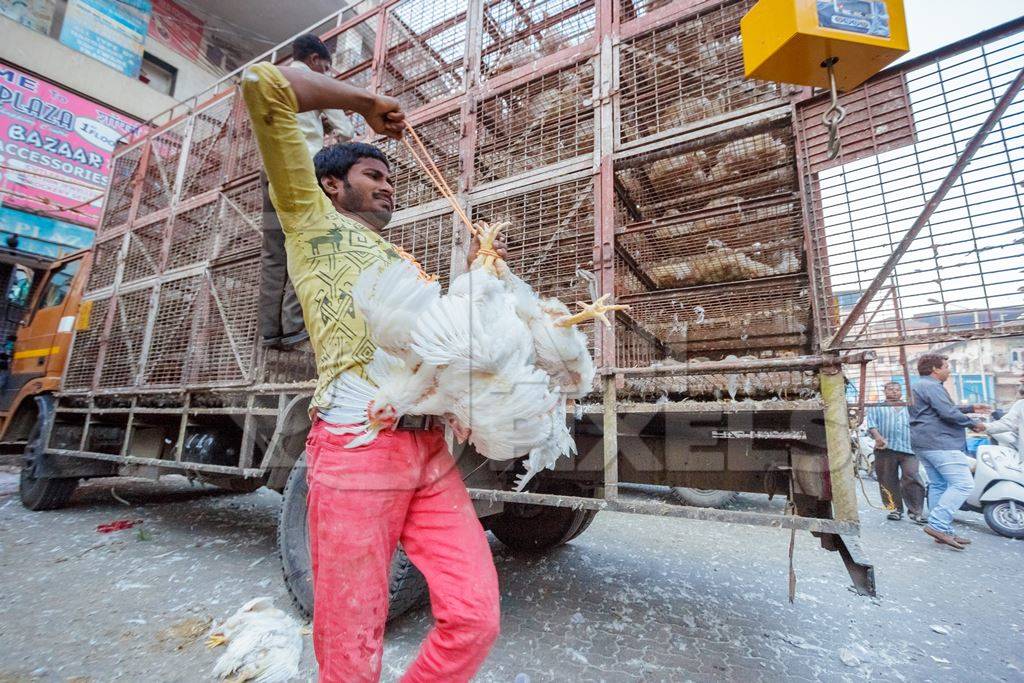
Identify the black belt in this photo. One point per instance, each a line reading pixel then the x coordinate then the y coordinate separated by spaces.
pixel 417 423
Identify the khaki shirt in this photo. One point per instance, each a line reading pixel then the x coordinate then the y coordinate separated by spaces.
pixel 312 126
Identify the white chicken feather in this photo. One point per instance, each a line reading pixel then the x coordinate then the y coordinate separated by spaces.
pixel 264 644
pixel 391 299
pixel 490 356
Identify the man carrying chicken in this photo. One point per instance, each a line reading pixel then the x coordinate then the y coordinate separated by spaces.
pixel 404 486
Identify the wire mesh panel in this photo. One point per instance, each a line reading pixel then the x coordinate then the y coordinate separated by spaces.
pixel 239 219
pixel 172 331
pixel 429 240
pixel 104 264
pixel 715 178
pixel 962 274
pixel 124 178
pixel 517 33
pixel 192 233
pixel 536 124
pixel 124 343
pixel 352 49
pixel 691 70
pixel 242 152
pixel 164 150
pixel 85 349
pixel 550 234
pixel 771 315
pixel 209 146
pixel 226 329
pixel 740 241
pixel 441 138
pixel 426 45
pixel 144 257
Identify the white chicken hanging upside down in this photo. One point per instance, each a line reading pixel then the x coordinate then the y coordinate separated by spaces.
pixel 491 357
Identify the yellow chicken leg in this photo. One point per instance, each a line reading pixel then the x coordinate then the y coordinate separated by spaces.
pixel 594 311
pixel 488 233
pixel 216 640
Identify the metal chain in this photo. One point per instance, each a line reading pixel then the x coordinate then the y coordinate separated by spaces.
pixel 835 114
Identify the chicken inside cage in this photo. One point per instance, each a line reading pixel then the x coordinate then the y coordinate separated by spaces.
pixel 713 254
pixel 686 73
pixel 538 123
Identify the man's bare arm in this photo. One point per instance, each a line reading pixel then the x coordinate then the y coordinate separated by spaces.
pixel 317 91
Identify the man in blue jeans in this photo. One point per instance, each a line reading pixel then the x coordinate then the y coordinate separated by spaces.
pixel 937 437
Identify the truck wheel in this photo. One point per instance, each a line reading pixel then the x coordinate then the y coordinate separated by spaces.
pixel 407 585
pixel 1001 519
pixel 704 498
pixel 528 528
pixel 38 493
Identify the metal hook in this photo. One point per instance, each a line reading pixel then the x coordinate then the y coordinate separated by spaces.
pixel 835 114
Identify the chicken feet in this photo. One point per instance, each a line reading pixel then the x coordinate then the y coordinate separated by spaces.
pixel 592 311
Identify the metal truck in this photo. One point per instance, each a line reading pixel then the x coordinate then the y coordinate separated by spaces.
pixel 37 315
pixel 615 137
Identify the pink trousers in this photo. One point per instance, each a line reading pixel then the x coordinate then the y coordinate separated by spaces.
pixel 404 487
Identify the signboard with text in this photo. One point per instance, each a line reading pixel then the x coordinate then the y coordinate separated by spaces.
pixel 55 148
pixel 177 28
pixel 111 31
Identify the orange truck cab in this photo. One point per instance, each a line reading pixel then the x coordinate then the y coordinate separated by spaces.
pixel 39 310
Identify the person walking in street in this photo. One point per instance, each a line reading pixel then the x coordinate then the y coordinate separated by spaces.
pixel 1010 426
pixel 937 436
pixel 405 486
pixel 281 323
pixel 895 463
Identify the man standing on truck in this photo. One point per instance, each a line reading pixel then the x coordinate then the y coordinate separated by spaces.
pixel 889 426
pixel 281 324
pixel 937 437
pixel 404 486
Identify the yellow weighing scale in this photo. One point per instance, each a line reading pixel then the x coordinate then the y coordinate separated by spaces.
pixel 833 44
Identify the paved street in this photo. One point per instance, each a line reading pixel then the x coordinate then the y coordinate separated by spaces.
pixel 633 598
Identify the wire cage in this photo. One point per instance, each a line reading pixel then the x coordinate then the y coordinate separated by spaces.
pixel 535 124
pixel 682 74
pixel 124 179
pixel 647 160
pixel 515 34
pixel 425 51
pixel 960 276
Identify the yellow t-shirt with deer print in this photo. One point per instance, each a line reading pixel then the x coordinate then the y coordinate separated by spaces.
pixel 326 250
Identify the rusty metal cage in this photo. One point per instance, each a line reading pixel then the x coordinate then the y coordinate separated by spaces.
pixel 654 164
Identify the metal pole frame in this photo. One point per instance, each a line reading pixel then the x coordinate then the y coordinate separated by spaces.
pixel 933 203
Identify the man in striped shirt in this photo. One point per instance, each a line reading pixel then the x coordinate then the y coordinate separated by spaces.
pixel 889 425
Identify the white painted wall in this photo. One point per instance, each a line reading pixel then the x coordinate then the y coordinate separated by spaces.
pixel 192 77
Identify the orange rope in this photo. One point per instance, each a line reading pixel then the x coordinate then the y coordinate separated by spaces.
pixel 423 158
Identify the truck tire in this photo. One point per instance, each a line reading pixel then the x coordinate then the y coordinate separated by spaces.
pixel 704 498
pixel 407 588
pixel 39 493
pixel 535 529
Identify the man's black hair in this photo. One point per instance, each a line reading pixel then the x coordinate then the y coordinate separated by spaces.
pixel 308 45
pixel 336 160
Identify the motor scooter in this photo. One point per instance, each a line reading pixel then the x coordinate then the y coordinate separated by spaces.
pixel 999 489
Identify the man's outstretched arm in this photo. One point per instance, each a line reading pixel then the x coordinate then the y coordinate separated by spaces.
pixel 317 91
pixel 274 96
